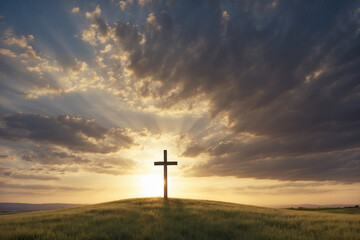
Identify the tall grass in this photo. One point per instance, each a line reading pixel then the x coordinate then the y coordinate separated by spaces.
pixel 154 218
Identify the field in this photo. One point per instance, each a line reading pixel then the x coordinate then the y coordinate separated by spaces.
pixel 346 210
pixel 154 218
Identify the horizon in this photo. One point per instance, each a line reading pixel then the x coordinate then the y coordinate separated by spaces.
pixel 257 102
pixel 306 205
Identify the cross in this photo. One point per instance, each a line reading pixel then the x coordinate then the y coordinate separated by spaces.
pixel 165 163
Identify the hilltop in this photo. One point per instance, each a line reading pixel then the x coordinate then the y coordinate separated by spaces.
pixel 154 218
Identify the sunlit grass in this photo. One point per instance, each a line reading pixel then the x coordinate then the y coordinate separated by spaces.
pixel 154 218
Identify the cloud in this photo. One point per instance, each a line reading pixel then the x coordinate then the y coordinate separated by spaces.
pixel 29 73
pixel 75 10
pixel 193 150
pixel 60 161
pixel 341 166
pixel 95 13
pixel 73 133
pixel 30 53
pixel 128 36
pixel 107 49
pixel 124 3
pixel 280 78
pixel 21 42
pixel 102 25
pixel 142 3
pixel 5 185
pixel 11 173
pixel 7 52
pixel 25 70
pixel 46 155
pixel 91 35
pixel 269 71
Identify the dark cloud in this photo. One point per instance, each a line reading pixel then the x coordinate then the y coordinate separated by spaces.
pixel 73 133
pixel 45 155
pixel 94 163
pixel 193 150
pixel 36 177
pixel 13 173
pixel 128 36
pixel 286 72
pixel 342 166
pixel 102 26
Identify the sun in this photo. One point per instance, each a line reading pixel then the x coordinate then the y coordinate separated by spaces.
pixel 151 185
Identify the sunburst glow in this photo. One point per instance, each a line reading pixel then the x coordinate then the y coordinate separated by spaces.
pixel 151 185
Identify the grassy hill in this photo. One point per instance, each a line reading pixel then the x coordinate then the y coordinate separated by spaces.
pixel 154 218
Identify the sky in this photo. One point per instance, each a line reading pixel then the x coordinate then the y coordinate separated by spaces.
pixel 257 101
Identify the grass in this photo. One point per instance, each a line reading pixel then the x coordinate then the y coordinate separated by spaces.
pixel 154 218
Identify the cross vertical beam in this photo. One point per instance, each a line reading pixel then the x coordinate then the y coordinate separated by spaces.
pixel 165 163
pixel 165 174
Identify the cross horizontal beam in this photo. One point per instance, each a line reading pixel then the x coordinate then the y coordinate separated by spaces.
pixel 163 163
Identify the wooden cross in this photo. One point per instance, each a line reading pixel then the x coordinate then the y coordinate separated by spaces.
pixel 165 163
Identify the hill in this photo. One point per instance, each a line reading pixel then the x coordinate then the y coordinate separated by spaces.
pixel 154 218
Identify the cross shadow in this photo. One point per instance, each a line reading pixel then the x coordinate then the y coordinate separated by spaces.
pixel 172 208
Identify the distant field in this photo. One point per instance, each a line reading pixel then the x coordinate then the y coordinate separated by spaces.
pixel 154 218
pixel 346 210
pixel 25 207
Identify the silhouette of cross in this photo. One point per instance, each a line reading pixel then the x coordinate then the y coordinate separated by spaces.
pixel 165 163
